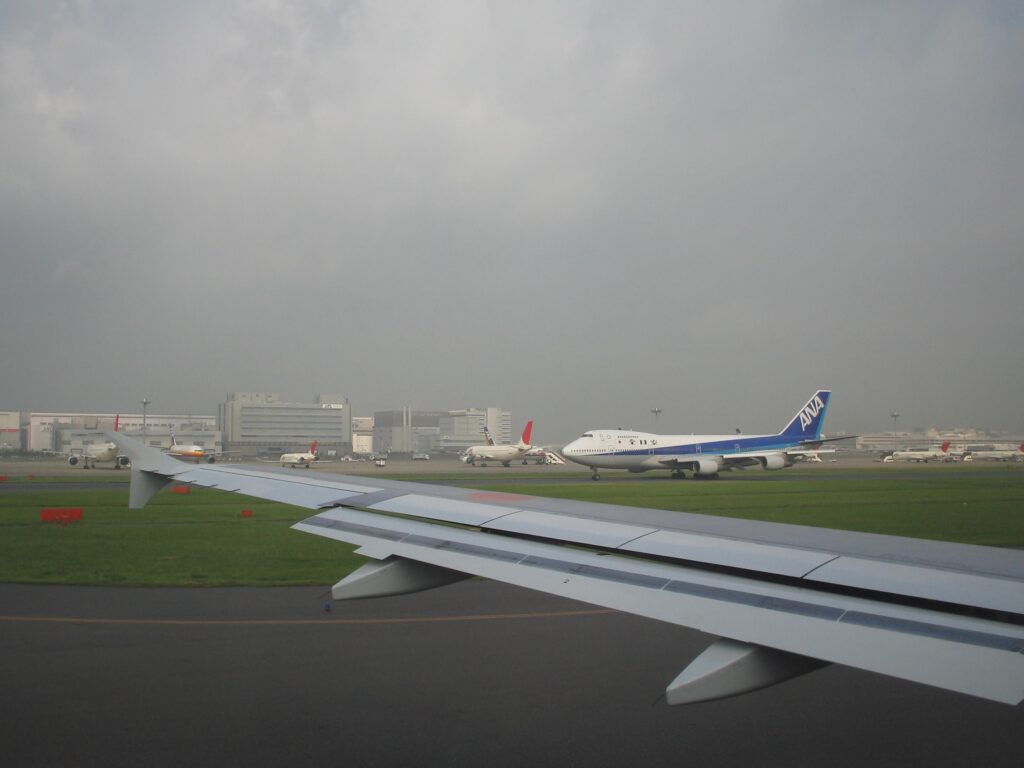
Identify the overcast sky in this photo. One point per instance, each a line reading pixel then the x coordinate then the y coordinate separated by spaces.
pixel 576 211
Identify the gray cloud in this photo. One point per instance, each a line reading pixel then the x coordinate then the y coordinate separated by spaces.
pixel 577 211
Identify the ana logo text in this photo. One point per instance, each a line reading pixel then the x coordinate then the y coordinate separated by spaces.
pixel 810 412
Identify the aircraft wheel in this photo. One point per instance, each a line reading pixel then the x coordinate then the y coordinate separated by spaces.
pixel 595 476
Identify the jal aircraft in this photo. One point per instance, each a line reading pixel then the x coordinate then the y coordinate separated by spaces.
pixel 301 459
pixel 776 600
pixel 703 455
pixel 994 453
pixel 503 454
pixel 102 452
pixel 923 455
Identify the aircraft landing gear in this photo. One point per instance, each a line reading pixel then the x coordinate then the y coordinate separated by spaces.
pixel 678 474
pixel 596 475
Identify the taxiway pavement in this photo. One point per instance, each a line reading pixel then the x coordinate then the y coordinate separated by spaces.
pixel 476 673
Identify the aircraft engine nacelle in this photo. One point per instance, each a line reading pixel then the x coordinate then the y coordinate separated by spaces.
pixel 73 461
pixel 123 461
pixel 211 459
pixel 706 467
pixel 773 461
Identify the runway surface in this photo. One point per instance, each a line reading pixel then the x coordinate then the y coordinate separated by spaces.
pixel 476 673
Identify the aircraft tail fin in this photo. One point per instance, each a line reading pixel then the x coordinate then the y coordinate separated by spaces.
pixel 527 432
pixel 945 446
pixel 806 424
pixel 117 421
pixel 487 436
pixel 312 447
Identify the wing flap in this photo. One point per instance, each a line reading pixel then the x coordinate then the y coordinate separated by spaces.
pixel 981 591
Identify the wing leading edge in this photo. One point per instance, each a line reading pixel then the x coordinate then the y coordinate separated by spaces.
pixel 941 614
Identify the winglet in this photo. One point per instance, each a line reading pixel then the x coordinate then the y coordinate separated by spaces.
pixel 808 420
pixel 151 469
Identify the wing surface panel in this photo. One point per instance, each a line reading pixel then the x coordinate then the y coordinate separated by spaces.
pixel 265 485
pixel 973 656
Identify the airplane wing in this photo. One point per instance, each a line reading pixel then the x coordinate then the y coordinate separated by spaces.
pixel 744 459
pixel 783 599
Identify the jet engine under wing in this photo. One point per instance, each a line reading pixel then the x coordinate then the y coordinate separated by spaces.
pixel 785 599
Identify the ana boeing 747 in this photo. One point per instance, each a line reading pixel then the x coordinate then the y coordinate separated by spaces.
pixel 703 455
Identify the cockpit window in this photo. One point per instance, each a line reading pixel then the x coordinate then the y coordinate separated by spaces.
pixel 588 434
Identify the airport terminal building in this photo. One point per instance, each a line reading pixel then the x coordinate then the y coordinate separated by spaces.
pixel 71 432
pixel 410 431
pixel 462 428
pixel 262 424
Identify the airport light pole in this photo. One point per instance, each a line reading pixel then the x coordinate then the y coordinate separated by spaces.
pixel 895 416
pixel 655 411
pixel 145 401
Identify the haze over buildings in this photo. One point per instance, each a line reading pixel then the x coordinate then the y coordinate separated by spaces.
pixel 581 211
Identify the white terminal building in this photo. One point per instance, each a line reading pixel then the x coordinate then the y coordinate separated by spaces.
pixel 10 430
pixel 72 432
pixel 261 423
pixel 412 431
pixel 264 424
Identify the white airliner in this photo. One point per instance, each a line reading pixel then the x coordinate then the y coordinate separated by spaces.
pixel 923 455
pixel 196 452
pixel 703 455
pixel 994 453
pixel 503 454
pixel 301 459
pixel 101 452
pixel 777 601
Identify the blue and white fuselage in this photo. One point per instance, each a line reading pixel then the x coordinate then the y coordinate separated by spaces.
pixel 703 455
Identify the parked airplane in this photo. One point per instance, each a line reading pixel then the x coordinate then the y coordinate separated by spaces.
pixel 780 600
pixel 101 452
pixel 994 453
pixel 301 459
pixel 503 454
pixel 703 455
pixel 922 455
pixel 196 452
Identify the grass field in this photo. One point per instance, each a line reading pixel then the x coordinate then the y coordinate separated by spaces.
pixel 202 539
